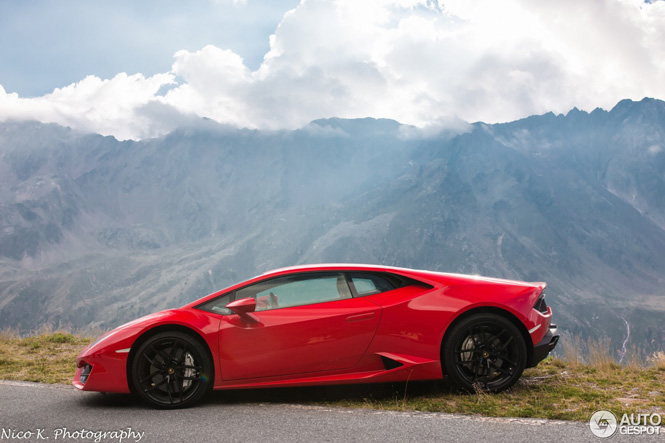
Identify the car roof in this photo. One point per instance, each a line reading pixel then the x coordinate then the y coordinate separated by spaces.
pixel 413 273
pixel 334 267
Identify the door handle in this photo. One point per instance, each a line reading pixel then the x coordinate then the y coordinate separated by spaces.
pixel 360 317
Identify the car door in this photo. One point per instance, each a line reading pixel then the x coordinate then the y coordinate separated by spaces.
pixel 302 323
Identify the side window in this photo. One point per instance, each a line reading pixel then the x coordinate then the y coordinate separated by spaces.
pixel 296 290
pixel 369 284
pixel 218 305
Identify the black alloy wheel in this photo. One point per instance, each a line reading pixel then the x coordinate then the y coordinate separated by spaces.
pixel 484 352
pixel 171 370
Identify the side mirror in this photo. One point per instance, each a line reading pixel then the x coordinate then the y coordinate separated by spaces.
pixel 244 308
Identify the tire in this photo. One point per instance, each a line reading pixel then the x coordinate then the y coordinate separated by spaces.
pixel 484 352
pixel 171 370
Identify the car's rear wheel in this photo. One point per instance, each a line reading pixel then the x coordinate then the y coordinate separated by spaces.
pixel 171 370
pixel 484 352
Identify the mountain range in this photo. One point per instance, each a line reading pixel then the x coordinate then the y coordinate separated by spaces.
pixel 96 231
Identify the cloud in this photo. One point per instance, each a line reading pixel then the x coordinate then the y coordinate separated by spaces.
pixel 422 63
pixel 104 106
pixel 654 149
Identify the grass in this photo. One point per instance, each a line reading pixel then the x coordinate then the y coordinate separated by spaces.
pixel 46 357
pixel 555 389
pixel 569 388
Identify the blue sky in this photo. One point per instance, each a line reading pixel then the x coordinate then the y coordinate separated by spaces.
pixel 137 69
pixel 50 44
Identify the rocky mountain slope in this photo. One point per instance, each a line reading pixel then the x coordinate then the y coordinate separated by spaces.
pixel 94 231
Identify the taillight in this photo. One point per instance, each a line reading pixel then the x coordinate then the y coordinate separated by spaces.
pixel 540 305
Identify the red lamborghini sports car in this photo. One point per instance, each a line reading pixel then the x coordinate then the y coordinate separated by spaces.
pixel 327 324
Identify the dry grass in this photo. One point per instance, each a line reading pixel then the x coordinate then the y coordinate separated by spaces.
pixel 554 389
pixel 657 359
pixel 47 357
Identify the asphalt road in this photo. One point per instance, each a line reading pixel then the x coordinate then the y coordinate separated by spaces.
pixel 37 412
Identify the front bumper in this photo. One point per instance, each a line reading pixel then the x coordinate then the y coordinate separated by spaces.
pixel 102 366
pixel 543 348
pixel 103 373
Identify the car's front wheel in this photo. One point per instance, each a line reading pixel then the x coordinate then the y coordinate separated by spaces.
pixel 171 370
pixel 484 352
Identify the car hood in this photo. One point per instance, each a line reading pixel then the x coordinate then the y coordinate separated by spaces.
pixel 130 328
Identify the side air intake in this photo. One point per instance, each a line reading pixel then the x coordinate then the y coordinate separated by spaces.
pixel 389 363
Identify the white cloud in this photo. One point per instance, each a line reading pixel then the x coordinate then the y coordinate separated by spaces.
pixel 105 106
pixel 421 63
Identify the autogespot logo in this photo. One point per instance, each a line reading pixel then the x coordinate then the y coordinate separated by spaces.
pixel 603 424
